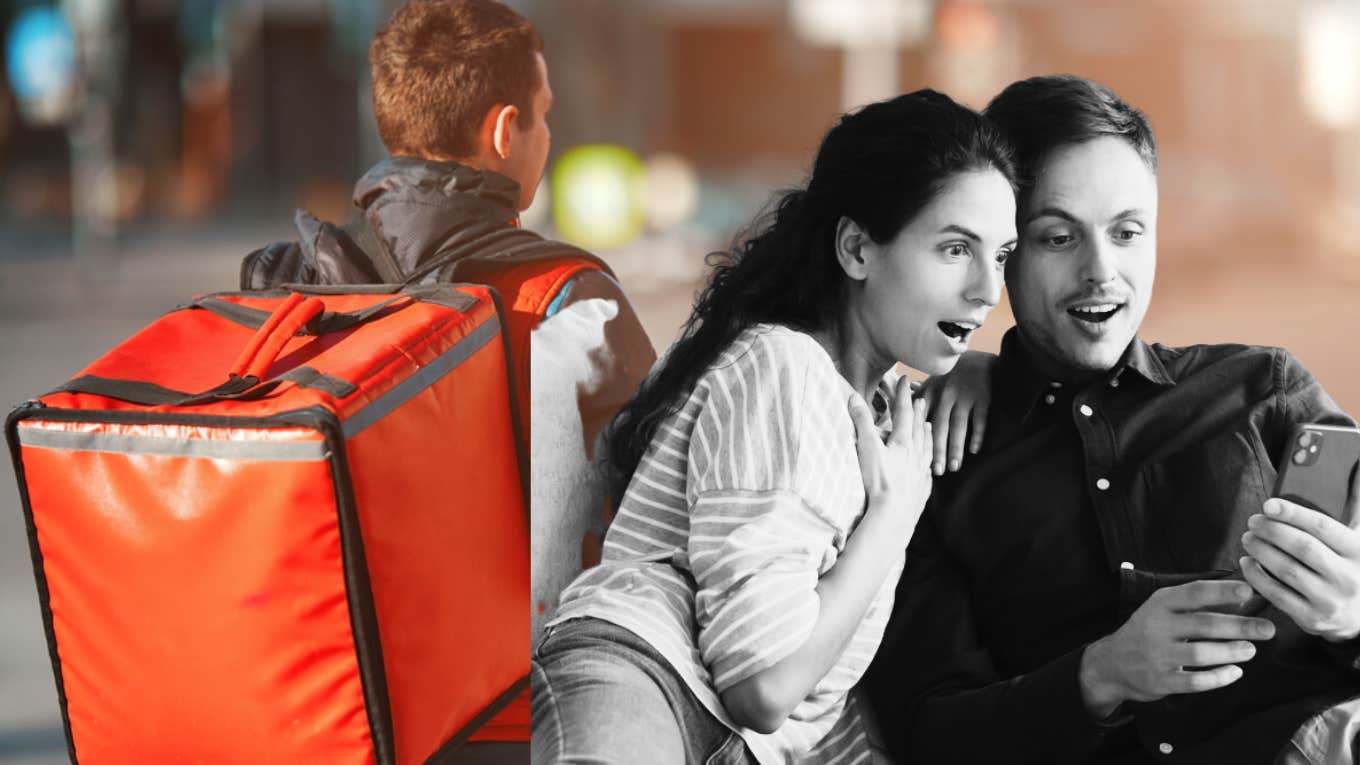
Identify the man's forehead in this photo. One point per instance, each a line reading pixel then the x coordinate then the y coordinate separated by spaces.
pixel 1094 180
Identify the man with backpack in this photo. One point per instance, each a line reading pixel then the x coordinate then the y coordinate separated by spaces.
pixel 461 96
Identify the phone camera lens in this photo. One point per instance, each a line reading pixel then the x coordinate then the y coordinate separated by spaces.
pixel 1305 438
pixel 1300 456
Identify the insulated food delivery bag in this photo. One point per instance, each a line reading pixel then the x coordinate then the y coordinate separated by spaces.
pixel 284 527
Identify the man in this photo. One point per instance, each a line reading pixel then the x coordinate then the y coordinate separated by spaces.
pixel 461 96
pixel 1074 594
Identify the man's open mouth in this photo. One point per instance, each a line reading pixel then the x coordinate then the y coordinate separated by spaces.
pixel 956 330
pixel 1096 314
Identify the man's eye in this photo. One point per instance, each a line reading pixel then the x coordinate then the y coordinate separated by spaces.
pixel 1058 240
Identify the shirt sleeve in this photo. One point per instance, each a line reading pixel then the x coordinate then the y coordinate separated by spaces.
pixel 757 545
pixel 940 696
pixel 1299 399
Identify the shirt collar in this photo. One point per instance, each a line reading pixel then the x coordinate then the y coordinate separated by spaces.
pixel 1140 358
pixel 1019 383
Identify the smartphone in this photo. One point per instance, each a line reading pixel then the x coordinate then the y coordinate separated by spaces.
pixel 1318 466
pixel 1316 471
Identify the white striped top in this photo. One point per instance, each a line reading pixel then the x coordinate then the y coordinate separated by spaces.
pixel 743 500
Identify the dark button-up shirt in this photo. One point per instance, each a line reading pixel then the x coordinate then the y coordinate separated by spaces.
pixel 1086 499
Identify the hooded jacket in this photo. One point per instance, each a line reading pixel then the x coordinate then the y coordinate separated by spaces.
pixel 418 221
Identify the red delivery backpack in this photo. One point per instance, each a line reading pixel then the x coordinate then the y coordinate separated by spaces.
pixel 284 527
pixel 535 277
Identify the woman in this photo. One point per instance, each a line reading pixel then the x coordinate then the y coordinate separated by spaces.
pixel 748 575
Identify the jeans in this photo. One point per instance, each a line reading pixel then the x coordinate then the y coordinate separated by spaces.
pixel 602 695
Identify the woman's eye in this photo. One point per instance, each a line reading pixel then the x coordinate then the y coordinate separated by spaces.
pixel 1003 256
pixel 1127 234
pixel 956 250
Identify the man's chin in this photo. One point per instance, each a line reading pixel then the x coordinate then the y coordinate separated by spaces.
pixel 1065 352
pixel 1091 358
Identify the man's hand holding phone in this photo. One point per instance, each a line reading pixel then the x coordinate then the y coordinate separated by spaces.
pixel 1307 564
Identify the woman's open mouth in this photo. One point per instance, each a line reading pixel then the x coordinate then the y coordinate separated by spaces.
pixel 957 331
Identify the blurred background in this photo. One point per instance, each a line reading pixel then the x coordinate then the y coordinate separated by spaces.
pixel 146 145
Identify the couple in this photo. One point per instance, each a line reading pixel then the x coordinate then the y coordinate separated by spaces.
pixel 1072 594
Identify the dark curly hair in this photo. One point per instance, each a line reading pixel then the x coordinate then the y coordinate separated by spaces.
pixel 879 167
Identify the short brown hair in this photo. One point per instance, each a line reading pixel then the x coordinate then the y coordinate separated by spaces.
pixel 440 65
pixel 1041 114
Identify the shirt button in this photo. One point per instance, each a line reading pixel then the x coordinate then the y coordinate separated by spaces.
pixel 1126 565
pixel 1114 382
pixel 1050 398
pixel 1086 410
pixel 1055 384
pixel 1165 748
pixel 1102 483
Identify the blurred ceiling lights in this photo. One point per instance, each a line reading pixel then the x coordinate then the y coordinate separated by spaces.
pixel 1329 65
pixel 848 23
pixel 870 34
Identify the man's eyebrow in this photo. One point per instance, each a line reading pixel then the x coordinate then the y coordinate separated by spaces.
pixel 1058 212
pixel 956 229
pixel 1054 212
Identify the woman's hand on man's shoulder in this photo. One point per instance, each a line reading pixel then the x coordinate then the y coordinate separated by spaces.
pixel 957 405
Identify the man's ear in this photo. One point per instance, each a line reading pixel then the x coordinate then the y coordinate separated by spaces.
pixel 853 249
pixel 503 119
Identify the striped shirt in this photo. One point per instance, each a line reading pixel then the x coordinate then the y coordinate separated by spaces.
pixel 743 500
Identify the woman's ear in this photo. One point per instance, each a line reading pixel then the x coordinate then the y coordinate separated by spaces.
pixel 853 249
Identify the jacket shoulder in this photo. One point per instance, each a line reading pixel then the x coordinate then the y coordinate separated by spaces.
pixel 273 265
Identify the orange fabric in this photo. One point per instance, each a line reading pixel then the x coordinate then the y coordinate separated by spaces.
pixel 447 538
pixel 282 325
pixel 199 604
pixel 528 290
pixel 178 594
pixel 192 350
pixel 512 724
pixel 252 348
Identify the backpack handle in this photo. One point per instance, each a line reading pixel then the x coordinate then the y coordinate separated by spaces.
pixel 268 341
pixel 243 380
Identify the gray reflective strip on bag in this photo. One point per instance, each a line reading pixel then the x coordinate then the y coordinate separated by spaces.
pixel 423 378
pixel 118 443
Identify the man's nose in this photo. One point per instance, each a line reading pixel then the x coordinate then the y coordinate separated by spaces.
pixel 1100 261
